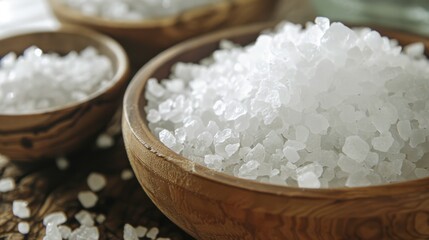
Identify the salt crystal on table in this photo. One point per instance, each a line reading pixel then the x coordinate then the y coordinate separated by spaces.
pixel 64 231
pixel 130 232
pixel 141 231
pixel 23 227
pixel 3 161
pixel 55 218
pixel 85 232
pixel 20 209
pixel 52 232
pixel 62 163
pixel 100 218
pixel 105 141
pixel 87 198
pixel 7 184
pixel 152 233
pixel 127 174
pixel 96 181
pixel 84 218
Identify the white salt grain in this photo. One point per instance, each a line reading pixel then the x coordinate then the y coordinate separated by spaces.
pixel 84 218
pixel 52 232
pixel 127 174
pixel 20 209
pixel 23 227
pixel 105 141
pixel 100 218
pixel 55 218
pixel 87 198
pixel 324 105
pixel 141 231
pixel 152 233
pixel 85 232
pixel 96 181
pixel 7 185
pixel 130 232
pixel 64 231
pixel 62 163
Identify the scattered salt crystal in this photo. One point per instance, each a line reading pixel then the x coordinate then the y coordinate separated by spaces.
pixel 62 163
pixel 85 232
pixel 84 218
pixel 100 218
pixel 127 174
pixel 3 161
pixel 23 227
pixel 152 233
pixel 55 218
pixel 87 198
pixel 105 141
pixel 96 181
pixel 65 231
pixel 130 232
pixel 20 209
pixel 141 231
pixel 7 184
pixel 320 106
pixel 52 232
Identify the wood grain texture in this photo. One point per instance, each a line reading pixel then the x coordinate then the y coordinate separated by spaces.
pixel 211 205
pixel 48 190
pixel 60 130
pixel 143 39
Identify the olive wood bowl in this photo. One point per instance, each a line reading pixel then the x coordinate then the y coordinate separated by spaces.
pixel 212 205
pixel 145 38
pixel 60 130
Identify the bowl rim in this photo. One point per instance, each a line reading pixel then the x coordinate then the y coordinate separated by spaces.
pixel 140 131
pixel 119 76
pixel 75 15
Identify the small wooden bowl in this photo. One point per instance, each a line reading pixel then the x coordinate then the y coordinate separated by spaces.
pixel 60 130
pixel 212 205
pixel 144 39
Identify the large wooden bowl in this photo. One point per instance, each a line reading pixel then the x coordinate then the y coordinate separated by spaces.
pixel 213 205
pixel 60 130
pixel 143 39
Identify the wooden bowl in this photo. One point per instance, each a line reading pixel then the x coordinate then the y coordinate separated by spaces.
pixel 144 39
pixel 212 205
pixel 60 130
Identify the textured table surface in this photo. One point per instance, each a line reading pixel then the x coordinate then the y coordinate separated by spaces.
pixel 48 189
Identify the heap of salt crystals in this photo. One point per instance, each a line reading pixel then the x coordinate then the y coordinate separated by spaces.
pixel 324 106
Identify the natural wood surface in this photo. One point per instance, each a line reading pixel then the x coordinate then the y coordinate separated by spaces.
pixel 47 189
pixel 212 205
pixel 60 130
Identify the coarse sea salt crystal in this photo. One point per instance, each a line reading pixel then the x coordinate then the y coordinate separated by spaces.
pixel 152 233
pixel 55 218
pixel 84 218
pixel 52 232
pixel 130 232
pixel 62 163
pixel 127 174
pixel 100 218
pixel 7 185
pixel 65 231
pixel 20 209
pixel 88 199
pixel 23 227
pixel 105 141
pixel 85 232
pixel 141 231
pixel 96 181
